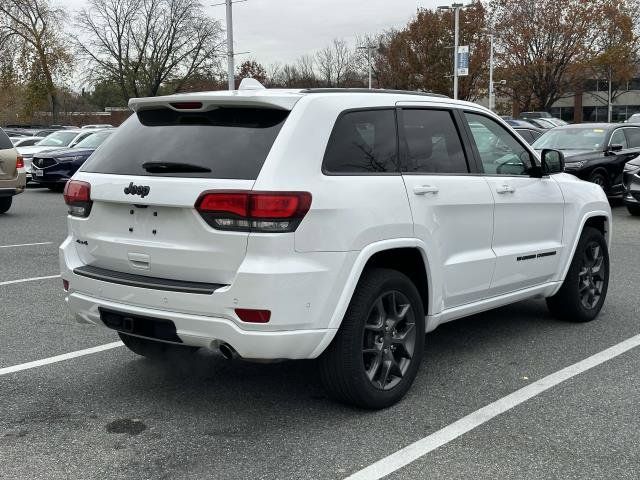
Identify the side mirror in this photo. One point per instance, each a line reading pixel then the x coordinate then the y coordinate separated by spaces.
pixel 614 147
pixel 552 161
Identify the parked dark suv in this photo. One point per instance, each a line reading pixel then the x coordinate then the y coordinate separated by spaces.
pixel 596 152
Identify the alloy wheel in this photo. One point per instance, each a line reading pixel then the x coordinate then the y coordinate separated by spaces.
pixel 389 340
pixel 591 276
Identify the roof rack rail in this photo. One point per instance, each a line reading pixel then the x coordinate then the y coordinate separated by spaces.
pixel 366 90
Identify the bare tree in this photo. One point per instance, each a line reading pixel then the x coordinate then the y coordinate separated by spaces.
pixel 335 62
pixel 146 45
pixel 37 26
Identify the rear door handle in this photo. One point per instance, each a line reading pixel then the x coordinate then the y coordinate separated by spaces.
pixel 424 189
pixel 505 189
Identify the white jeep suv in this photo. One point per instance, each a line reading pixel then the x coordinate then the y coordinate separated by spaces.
pixel 332 224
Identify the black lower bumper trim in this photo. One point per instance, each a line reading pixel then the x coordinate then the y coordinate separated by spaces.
pixel 158 328
pixel 142 281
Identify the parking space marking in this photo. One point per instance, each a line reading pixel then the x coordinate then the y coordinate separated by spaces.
pixel 26 244
pixel 418 449
pixel 32 279
pixel 59 358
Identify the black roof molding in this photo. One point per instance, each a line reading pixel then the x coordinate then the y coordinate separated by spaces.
pixel 366 90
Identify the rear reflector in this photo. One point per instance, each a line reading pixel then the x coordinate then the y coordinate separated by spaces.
pixel 253 316
pixel 19 162
pixel 65 285
pixel 77 195
pixel 254 211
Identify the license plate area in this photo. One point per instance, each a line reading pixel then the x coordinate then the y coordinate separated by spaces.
pixel 151 327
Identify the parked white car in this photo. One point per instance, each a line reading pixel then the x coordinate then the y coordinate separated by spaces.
pixel 332 224
pixel 59 139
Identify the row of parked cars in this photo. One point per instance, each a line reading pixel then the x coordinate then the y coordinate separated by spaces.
pixel 45 156
pixel 607 154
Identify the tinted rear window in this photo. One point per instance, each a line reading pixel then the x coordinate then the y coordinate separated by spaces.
pixel 4 141
pixel 232 142
pixel 363 142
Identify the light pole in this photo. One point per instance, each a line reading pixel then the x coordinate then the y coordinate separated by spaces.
pixel 491 99
pixel 230 54
pixel 456 7
pixel 368 48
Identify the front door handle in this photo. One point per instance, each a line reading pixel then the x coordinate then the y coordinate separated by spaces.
pixel 424 189
pixel 505 189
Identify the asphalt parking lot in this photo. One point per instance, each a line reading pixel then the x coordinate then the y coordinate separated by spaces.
pixel 112 414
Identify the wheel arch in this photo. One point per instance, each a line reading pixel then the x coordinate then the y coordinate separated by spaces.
pixel 394 253
pixel 599 219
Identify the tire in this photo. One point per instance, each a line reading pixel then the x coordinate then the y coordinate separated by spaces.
pixel 585 287
pixel 634 210
pixel 601 179
pixel 5 204
pixel 154 350
pixel 353 366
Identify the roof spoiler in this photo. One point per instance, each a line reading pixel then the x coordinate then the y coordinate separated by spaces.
pixel 202 102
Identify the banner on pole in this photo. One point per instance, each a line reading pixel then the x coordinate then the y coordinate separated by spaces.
pixel 463 60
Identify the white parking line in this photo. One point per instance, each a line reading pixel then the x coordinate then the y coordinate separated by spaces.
pixel 413 452
pixel 59 358
pixel 25 244
pixel 32 279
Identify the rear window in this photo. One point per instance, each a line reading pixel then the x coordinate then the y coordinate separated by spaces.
pixel 363 142
pixel 232 143
pixel 4 141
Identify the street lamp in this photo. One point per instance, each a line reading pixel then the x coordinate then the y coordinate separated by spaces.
pixel 368 48
pixel 230 54
pixel 456 7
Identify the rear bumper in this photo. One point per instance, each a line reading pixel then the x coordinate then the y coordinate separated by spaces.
pixel 15 186
pixel 301 292
pixel 208 332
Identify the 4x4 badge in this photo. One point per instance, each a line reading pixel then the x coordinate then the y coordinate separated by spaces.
pixel 141 190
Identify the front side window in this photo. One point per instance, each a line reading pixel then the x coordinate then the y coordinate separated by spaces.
pixel 363 142
pixel 633 137
pixel 431 142
pixel 618 138
pixel 500 152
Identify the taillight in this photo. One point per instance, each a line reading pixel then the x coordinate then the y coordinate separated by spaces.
pixel 77 195
pixel 254 211
pixel 19 162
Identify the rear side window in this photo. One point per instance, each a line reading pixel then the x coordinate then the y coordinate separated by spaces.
pixel 232 143
pixel 363 142
pixel 633 137
pixel 4 141
pixel 432 143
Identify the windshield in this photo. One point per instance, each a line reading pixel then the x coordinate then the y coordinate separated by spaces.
pixel 572 139
pixel 57 139
pixel 93 140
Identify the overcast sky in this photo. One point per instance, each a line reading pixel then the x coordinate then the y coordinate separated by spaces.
pixel 282 30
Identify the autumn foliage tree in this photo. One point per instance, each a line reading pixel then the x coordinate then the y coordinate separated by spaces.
pixel 420 56
pixel 33 28
pixel 546 47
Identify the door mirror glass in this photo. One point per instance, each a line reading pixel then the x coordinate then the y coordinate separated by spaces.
pixel 552 161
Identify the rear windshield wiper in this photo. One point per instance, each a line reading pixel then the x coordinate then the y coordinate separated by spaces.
pixel 173 167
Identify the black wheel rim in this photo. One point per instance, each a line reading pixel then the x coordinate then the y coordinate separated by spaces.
pixel 592 276
pixel 389 340
pixel 599 180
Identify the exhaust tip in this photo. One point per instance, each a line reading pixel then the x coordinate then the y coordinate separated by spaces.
pixel 227 351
